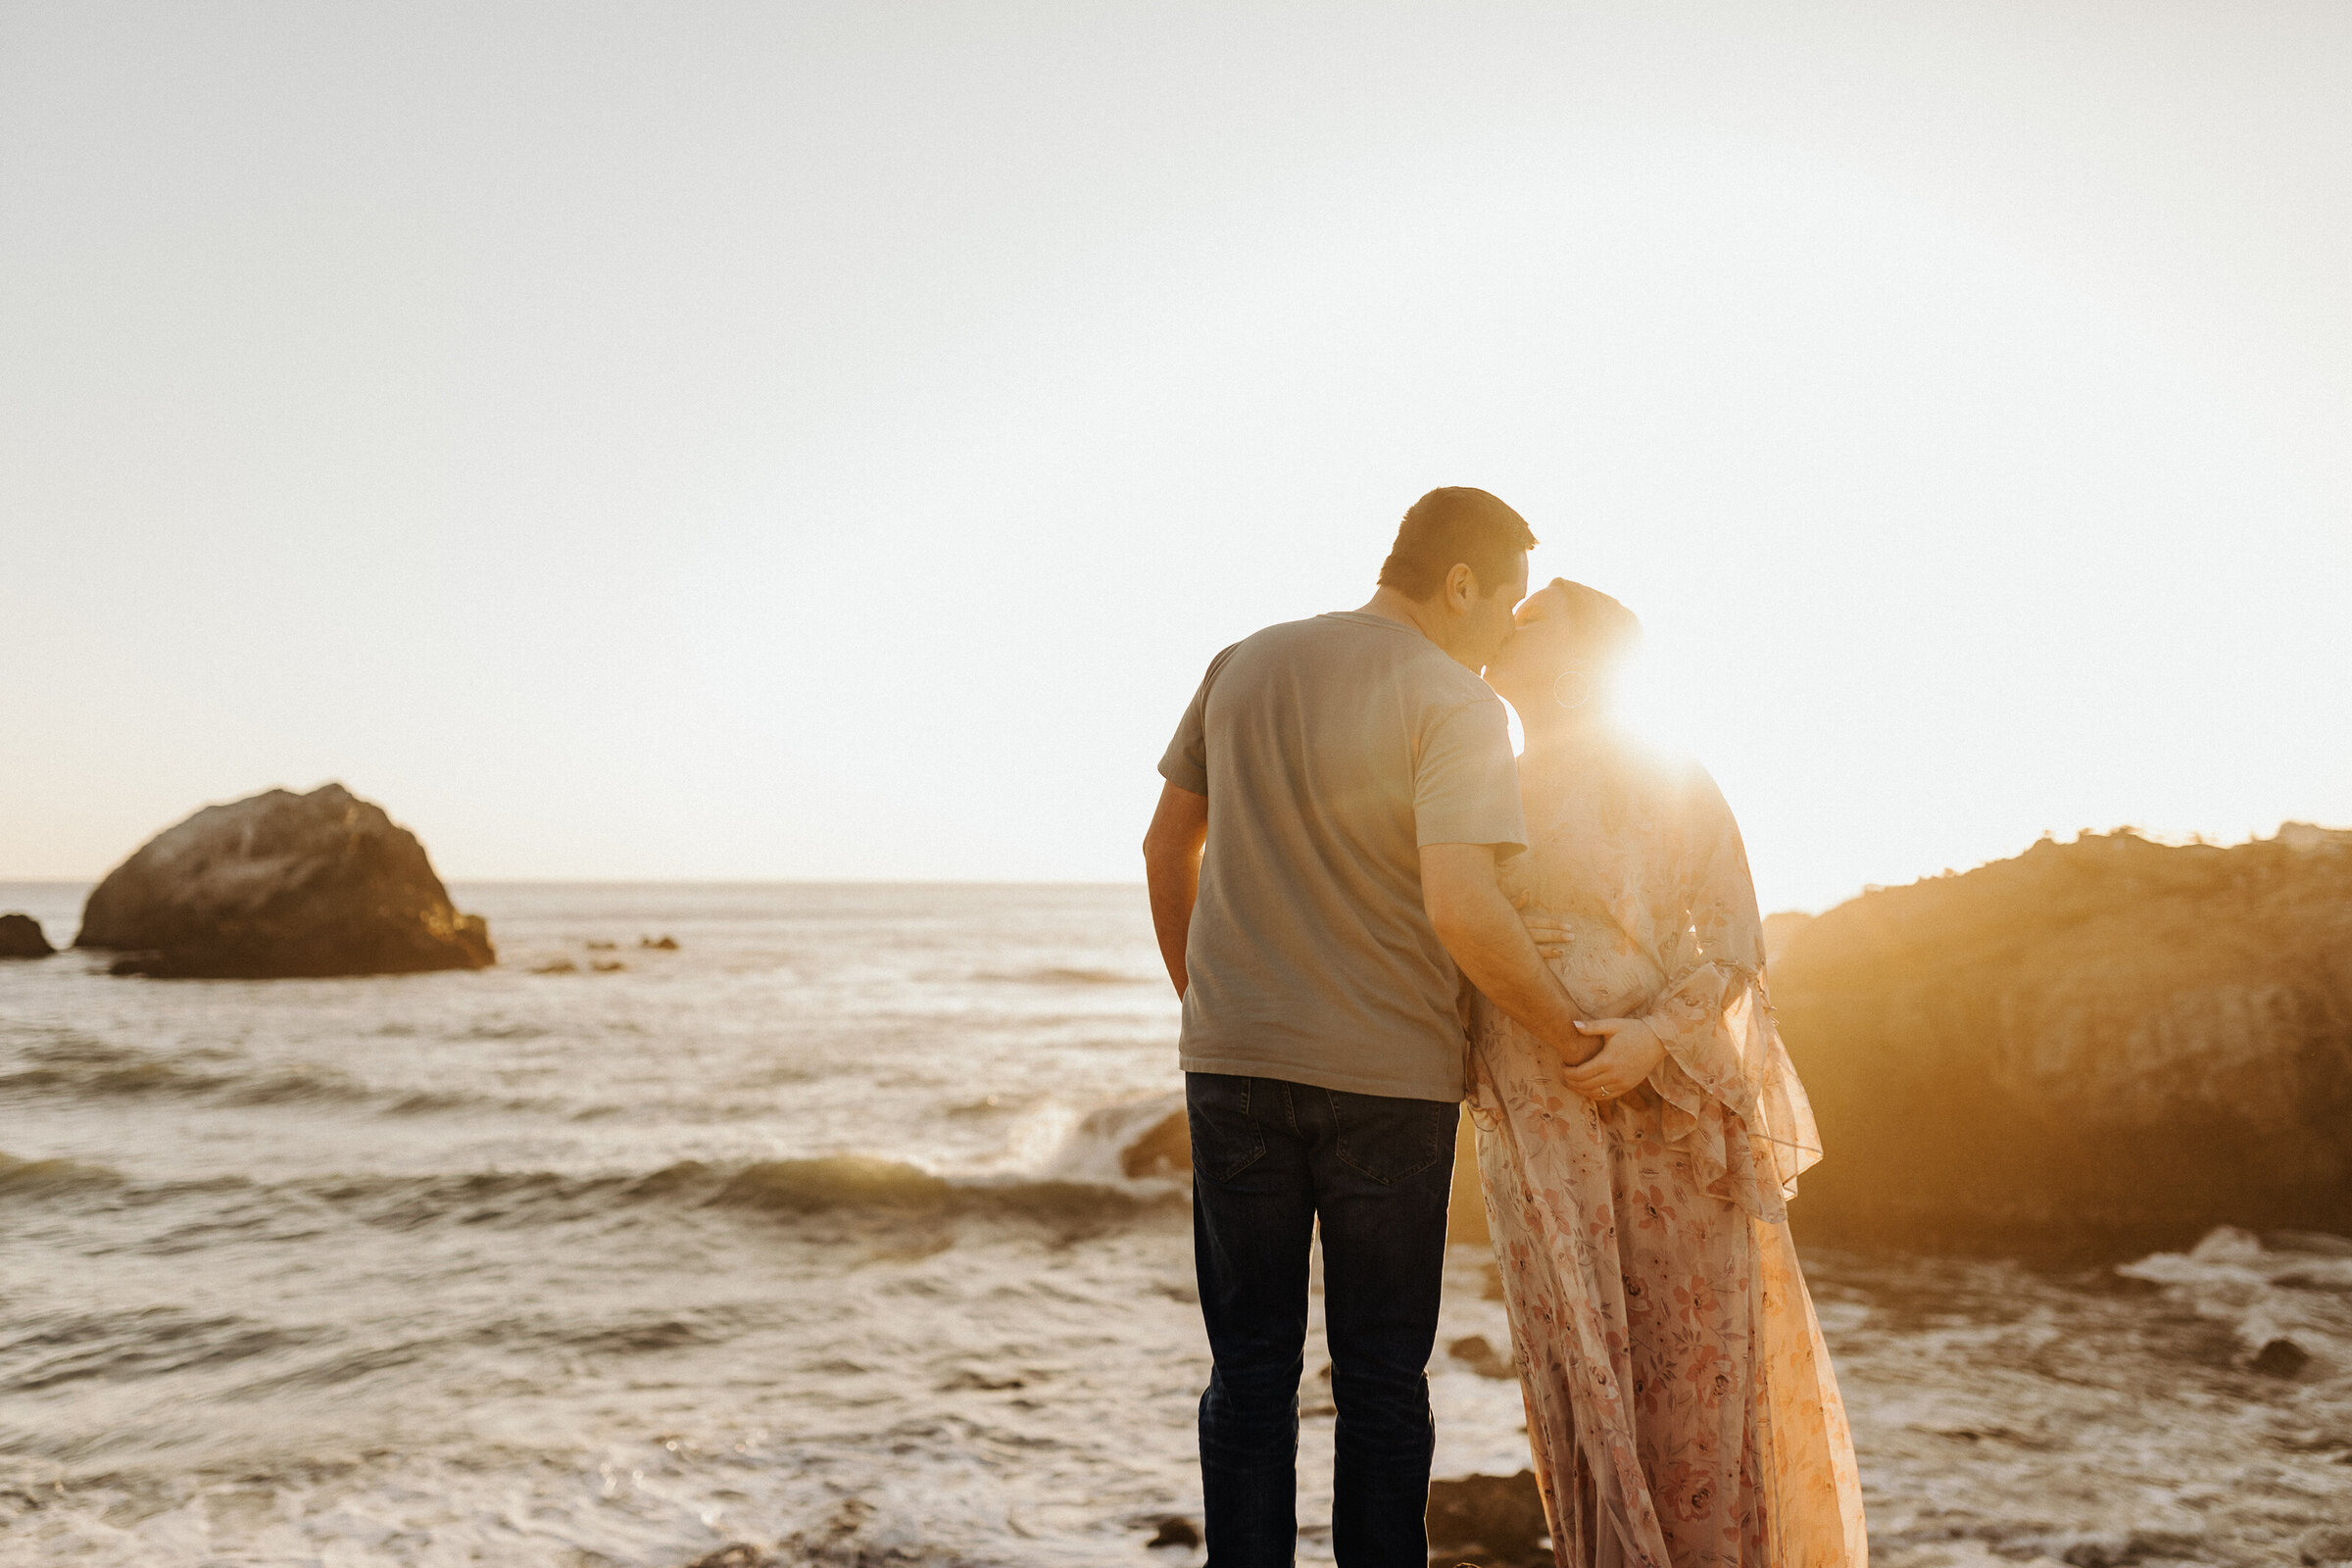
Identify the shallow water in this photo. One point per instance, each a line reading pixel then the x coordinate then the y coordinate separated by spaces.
pixel 811 1233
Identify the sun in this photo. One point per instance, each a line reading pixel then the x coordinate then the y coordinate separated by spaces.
pixel 1653 704
pixel 1650 707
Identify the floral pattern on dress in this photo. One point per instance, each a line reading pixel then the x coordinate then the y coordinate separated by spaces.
pixel 1679 1401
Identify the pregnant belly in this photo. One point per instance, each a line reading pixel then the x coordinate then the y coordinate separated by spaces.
pixel 1603 975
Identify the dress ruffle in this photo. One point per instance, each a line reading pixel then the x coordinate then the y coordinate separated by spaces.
pixel 1733 1101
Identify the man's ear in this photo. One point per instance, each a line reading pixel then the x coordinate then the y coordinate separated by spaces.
pixel 1461 587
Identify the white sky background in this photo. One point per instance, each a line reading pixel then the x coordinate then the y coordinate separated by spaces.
pixel 829 441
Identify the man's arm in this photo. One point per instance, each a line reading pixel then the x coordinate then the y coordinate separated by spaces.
pixel 1461 889
pixel 1172 871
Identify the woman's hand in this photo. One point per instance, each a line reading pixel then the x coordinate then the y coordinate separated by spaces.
pixel 1550 937
pixel 1631 1052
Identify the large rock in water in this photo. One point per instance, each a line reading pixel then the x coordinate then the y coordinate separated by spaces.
pixel 21 937
pixel 2104 1043
pixel 282 885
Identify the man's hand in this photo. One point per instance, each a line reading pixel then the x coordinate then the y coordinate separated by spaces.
pixel 1543 928
pixel 1631 1052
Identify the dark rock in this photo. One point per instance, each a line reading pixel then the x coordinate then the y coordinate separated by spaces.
pixel 2139 1547
pixel 968 1381
pixel 282 885
pixel 21 937
pixel 1176 1531
pixel 735 1554
pixel 1151 1135
pixel 1490 1521
pixel 2110 1044
pixel 1165 1149
pixel 1316 1399
pixel 555 967
pixel 608 966
pixel 2280 1358
pixel 1482 1358
pixel 663 945
pixel 2317 1242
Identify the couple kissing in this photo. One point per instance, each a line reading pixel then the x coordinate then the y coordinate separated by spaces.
pixel 1374 911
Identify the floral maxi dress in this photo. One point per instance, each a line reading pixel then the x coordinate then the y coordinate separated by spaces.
pixel 1680 1401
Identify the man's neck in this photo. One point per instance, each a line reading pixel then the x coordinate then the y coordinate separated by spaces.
pixel 1390 605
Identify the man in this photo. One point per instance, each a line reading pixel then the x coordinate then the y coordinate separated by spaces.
pixel 1324 856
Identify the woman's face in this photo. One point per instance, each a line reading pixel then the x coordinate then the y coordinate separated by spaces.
pixel 1543 643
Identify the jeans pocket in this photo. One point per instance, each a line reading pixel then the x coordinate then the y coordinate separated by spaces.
pixel 1225 1141
pixel 1390 1140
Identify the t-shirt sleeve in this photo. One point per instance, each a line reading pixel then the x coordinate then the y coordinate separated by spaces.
pixel 1185 764
pixel 1465 782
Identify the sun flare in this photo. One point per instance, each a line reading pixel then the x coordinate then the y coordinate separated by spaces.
pixel 1652 704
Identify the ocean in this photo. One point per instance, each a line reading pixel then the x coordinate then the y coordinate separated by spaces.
pixel 812 1233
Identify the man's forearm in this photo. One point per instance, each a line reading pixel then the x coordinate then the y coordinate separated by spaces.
pixel 1174 881
pixel 1497 955
pixel 1172 849
pixel 1483 933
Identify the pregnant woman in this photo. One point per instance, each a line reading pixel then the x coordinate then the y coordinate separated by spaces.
pixel 1680 1401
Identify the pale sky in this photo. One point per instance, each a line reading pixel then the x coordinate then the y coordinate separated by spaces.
pixel 779 441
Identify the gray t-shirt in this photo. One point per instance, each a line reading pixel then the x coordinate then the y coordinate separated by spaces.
pixel 1331 750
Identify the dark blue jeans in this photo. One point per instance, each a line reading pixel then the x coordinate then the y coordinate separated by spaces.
pixel 1268 1157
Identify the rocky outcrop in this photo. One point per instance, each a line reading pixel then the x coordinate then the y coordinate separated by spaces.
pixel 1782 928
pixel 1489 1522
pixel 21 937
pixel 282 885
pixel 2107 1042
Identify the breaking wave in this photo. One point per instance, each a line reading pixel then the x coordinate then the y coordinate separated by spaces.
pixel 1058 976
pixel 77 1067
pixel 142 1342
pixel 844 1187
pixel 33 1178
pixel 849 1189
pixel 2285 1299
pixel 860 1184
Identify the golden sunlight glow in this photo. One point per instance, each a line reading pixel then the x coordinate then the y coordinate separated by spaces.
pixel 1654 705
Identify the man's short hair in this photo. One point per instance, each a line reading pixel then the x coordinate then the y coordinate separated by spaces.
pixel 1456 526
